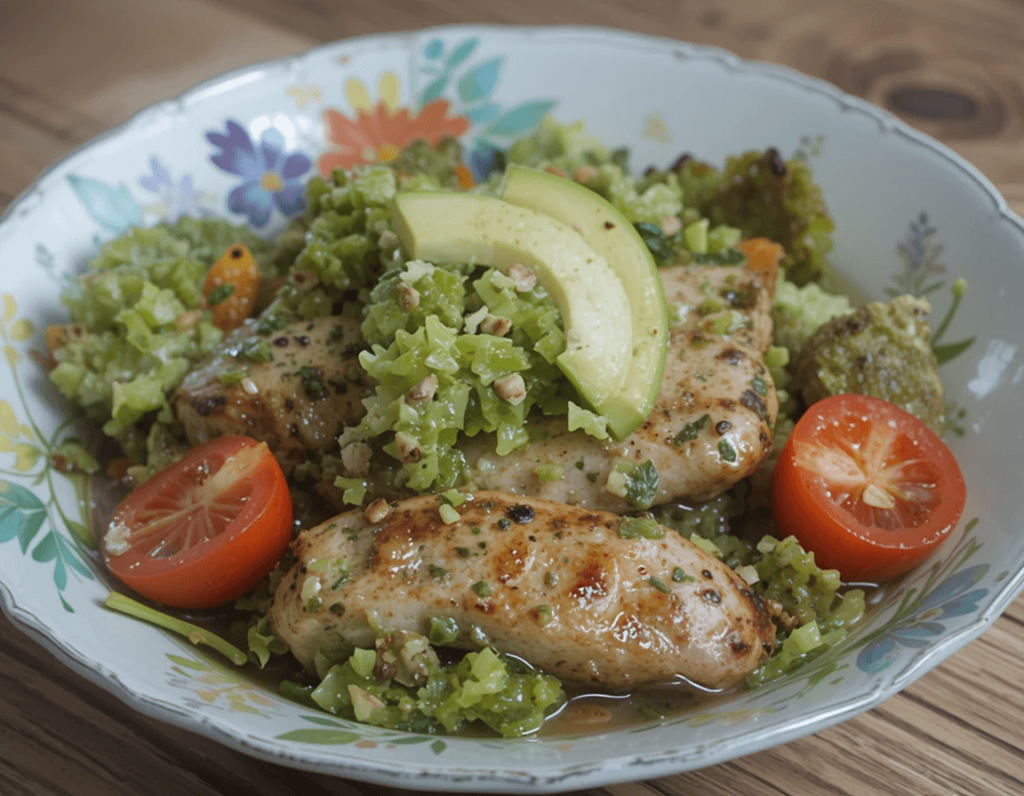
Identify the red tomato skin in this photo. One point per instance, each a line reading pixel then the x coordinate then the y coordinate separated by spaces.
pixel 862 553
pixel 223 568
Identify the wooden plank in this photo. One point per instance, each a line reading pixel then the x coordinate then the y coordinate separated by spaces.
pixel 60 734
pixel 25 150
pixel 162 49
pixel 948 68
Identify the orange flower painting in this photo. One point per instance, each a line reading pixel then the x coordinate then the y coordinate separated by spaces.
pixel 380 130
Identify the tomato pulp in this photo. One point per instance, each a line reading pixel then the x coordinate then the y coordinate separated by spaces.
pixel 867 486
pixel 205 530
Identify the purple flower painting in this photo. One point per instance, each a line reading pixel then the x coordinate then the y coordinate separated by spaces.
pixel 270 176
pixel 177 198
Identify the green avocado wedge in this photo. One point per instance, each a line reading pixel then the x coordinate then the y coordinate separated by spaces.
pixel 609 234
pixel 453 227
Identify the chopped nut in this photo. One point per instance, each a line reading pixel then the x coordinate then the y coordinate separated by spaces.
pixel 408 297
pixel 670 225
pixel 363 702
pixel 408 447
pixel 378 511
pixel 584 173
pixel 555 170
pixel 511 388
pixel 422 391
pixel 496 325
pixel 249 386
pixel 187 320
pixel 523 276
pixel 356 458
pixel 59 336
pixel 303 279
pixel 785 620
pixel 118 539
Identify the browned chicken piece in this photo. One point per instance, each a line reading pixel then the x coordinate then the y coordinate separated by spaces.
pixel 294 388
pixel 572 591
pixel 711 425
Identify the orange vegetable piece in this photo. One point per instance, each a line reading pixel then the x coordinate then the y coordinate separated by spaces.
pixel 231 287
pixel 763 257
pixel 464 176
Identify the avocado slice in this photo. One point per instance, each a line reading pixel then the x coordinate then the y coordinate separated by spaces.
pixel 473 228
pixel 609 234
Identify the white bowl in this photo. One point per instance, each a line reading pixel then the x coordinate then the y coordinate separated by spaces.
pixel 906 208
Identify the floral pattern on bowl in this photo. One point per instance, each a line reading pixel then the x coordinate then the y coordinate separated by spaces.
pixel 243 151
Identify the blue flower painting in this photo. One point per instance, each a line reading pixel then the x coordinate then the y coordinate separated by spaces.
pixel 956 596
pixel 270 176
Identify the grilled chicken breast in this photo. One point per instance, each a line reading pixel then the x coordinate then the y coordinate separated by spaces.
pixel 712 421
pixel 557 585
pixel 294 388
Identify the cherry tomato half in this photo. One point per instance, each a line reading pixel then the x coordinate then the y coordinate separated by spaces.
pixel 867 486
pixel 205 530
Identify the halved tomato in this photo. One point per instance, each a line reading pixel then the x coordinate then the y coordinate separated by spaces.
pixel 205 530
pixel 867 486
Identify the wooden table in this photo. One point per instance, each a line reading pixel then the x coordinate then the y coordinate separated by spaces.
pixel 69 69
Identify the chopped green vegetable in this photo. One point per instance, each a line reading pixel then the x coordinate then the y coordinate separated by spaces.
pixel 411 691
pixel 640 527
pixel 194 633
pixel 141 326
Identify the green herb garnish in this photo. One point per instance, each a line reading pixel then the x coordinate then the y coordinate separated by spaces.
pixel 691 431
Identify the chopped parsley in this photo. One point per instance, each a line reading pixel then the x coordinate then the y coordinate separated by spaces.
pixel 312 382
pixel 270 325
pixel 659 244
pixel 344 573
pixel 660 585
pixel 726 451
pixel 254 350
pixel 220 293
pixel 438 572
pixel 642 485
pixel 691 431
pixel 482 588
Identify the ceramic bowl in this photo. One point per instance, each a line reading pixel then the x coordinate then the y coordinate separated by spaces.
pixel 910 217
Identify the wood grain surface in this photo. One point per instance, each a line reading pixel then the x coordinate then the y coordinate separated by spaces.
pixel 69 69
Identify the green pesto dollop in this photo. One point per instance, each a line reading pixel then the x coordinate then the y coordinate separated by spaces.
pixel 881 349
pixel 766 196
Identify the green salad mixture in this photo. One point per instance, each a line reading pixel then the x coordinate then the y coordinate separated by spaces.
pixel 430 326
